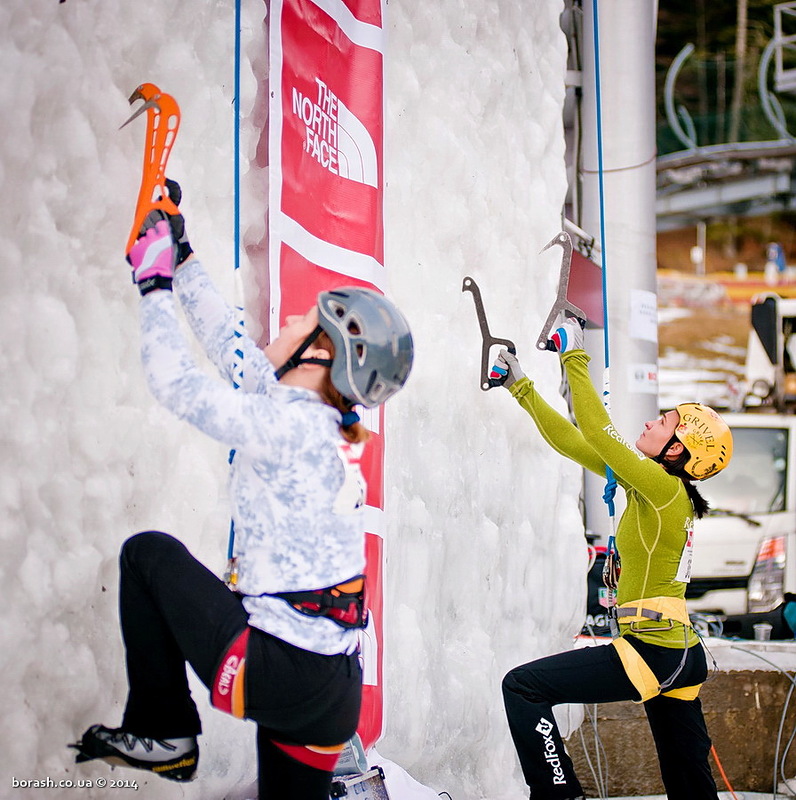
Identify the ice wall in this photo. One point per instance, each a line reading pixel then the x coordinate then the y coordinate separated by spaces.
pixel 484 549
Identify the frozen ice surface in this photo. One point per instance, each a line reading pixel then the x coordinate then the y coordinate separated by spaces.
pixel 485 556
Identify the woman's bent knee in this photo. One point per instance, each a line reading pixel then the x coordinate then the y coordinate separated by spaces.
pixel 521 681
pixel 148 544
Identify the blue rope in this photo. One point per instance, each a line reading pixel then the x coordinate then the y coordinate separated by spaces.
pixel 237 135
pixel 610 487
pixel 236 206
pixel 598 104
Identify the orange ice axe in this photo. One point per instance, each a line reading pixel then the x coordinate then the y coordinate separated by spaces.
pixel 162 124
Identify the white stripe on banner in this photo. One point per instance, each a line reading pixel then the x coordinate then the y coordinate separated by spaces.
pixel 374 521
pixel 331 256
pixel 360 33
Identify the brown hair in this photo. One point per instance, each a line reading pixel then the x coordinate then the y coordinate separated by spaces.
pixel 331 396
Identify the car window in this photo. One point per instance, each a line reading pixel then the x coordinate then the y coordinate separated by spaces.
pixel 756 478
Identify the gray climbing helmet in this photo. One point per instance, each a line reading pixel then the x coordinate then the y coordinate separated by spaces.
pixel 373 347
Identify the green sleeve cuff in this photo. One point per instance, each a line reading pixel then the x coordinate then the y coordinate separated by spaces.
pixel 521 387
pixel 575 353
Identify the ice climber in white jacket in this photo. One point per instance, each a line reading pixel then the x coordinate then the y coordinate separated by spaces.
pixel 282 648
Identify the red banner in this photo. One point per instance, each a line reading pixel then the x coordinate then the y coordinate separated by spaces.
pixel 325 221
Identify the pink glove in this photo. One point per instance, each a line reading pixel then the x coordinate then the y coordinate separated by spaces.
pixel 152 257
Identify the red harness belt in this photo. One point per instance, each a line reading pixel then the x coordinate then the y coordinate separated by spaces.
pixel 346 604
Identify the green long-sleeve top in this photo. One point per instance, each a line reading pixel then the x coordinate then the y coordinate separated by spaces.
pixel 653 531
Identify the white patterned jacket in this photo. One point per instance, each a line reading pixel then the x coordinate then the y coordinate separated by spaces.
pixel 296 489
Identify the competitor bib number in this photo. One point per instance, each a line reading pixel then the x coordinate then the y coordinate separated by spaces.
pixel 351 497
pixel 687 557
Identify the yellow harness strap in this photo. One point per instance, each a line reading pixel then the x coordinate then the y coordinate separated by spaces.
pixel 652 609
pixel 684 692
pixel 641 676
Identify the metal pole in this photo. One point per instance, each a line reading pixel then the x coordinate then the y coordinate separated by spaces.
pixel 702 243
pixel 627 80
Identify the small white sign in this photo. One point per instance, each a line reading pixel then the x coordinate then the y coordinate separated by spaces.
pixel 644 315
pixel 643 378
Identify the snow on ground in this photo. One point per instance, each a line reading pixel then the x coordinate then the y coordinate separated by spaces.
pixel 707 379
pixel 700 380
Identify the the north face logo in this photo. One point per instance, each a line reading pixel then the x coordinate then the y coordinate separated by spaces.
pixel 334 137
pixel 544 727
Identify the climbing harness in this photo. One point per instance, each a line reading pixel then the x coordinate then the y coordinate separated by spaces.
pixel 643 678
pixel 665 610
pixel 654 609
pixel 345 603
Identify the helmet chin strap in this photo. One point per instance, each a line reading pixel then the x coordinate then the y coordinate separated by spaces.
pixel 661 457
pixel 296 358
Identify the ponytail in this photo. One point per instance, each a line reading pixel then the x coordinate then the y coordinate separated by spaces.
pixel 355 432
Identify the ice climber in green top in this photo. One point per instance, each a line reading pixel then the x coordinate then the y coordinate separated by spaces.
pixel 656 657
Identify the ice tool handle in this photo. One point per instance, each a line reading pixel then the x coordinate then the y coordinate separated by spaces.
pixel 163 122
pixel 561 303
pixel 488 341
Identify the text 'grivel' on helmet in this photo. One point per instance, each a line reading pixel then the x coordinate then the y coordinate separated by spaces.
pixel 372 343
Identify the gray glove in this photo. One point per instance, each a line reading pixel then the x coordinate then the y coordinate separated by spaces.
pixel 507 365
pixel 569 336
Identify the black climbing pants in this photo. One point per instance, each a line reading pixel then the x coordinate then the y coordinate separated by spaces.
pixel 596 675
pixel 173 610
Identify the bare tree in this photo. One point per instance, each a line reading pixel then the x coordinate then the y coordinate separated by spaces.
pixel 740 70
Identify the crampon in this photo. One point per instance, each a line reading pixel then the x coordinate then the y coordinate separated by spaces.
pixel 175 759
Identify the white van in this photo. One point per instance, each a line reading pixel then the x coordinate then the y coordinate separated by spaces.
pixel 745 550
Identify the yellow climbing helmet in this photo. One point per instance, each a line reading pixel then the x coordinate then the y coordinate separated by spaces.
pixel 707 437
